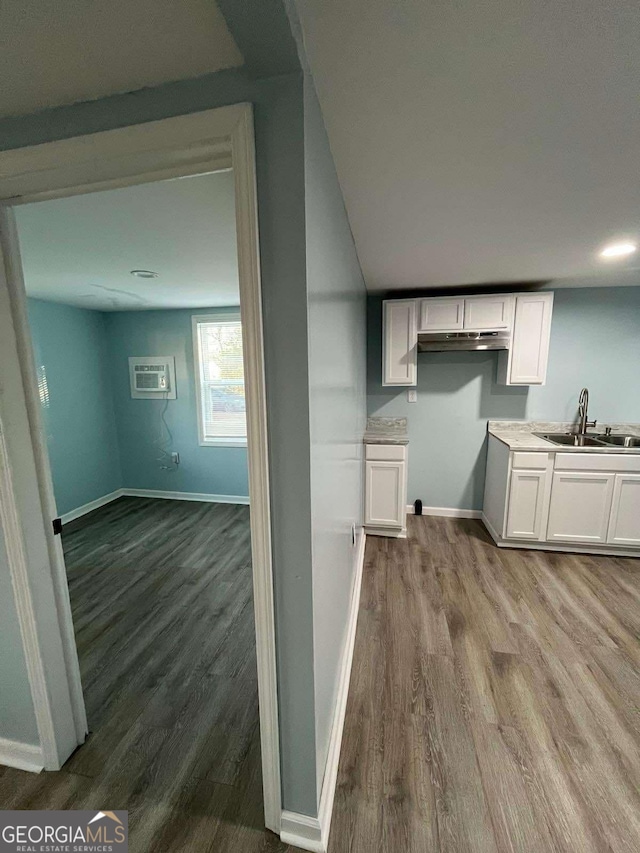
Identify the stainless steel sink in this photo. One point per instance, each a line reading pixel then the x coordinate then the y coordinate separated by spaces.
pixel 569 440
pixel 621 440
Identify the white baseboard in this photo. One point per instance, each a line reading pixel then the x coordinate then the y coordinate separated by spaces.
pixel 89 507
pixel 186 496
pixel 391 532
pixel 492 531
pixel 312 833
pixel 302 831
pixel 447 511
pixel 151 493
pixel 22 756
pixel 536 545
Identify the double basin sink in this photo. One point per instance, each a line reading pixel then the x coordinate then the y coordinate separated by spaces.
pixel 610 442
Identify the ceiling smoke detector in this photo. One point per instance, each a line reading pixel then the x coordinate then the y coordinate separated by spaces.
pixel 144 273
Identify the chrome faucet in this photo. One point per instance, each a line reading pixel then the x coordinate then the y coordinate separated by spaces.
pixel 583 406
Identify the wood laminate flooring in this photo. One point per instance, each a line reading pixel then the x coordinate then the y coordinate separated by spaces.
pixel 494 704
pixel 161 594
pixel 495 700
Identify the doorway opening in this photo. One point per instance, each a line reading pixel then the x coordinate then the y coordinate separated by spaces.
pixel 162 567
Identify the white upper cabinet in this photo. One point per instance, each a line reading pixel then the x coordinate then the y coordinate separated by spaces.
pixel 399 342
pixel 441 314
pixel 526 317
pixel 529 353
pixel 483 313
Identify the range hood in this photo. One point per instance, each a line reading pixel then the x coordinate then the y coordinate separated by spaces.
pixel 448 341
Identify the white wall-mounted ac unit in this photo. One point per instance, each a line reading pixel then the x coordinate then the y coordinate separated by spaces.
pixel 152 377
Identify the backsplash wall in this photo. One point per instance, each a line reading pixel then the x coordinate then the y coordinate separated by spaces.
pixel 595 341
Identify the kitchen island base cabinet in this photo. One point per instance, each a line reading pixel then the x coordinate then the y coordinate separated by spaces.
pixel 385 511
pixel 586 502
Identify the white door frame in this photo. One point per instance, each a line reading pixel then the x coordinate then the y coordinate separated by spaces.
pixel 185 145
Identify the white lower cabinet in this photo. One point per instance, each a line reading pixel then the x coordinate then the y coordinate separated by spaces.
pixel 624 527
pixel 580 507
pixel 557 499
pixel 385 504
pixel 526 505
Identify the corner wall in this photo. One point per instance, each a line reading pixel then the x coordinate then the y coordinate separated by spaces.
pixel 595 341
pixel 337 403
pixel 70 347
pixel 17 714
pixel 208 470
pixel 279 131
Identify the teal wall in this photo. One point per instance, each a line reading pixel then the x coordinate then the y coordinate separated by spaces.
pixel 99 438
pixel 17 716
pixel 337 402
pixel 595 341
pixel 279 133
pixel 213 470
pixel 70 348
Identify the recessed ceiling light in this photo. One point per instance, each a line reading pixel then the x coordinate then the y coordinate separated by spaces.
pixel 144 273
pixel 618 250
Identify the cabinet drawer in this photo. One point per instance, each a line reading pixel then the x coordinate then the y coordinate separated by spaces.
pixel 597 462
pixel 530 460
pixel 386 452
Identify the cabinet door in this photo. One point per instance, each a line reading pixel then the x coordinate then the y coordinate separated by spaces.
pixel 385 503
pixel 624 526
pixel 527 499
pixel 441 314
pixel 580 507
pixel 530 339
pixel 488 312
pixel 400 342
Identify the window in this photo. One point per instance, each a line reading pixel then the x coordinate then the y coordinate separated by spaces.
pixel 217 345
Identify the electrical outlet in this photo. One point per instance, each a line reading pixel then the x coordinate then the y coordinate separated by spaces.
pixel 412 395
pixel 175 457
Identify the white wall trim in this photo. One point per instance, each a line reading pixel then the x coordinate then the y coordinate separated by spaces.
pixel 183 145
pixel 535 545
pixel 492 531
pixel 22 756
pixel 185 496
pixel 203 497
pixel 89 507
pixel 18 569
pixel 312 833
pixel 302 831
pixel 446 511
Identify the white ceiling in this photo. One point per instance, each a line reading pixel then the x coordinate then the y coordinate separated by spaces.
pixel 54 53
pixel 81 250
pixel 482 142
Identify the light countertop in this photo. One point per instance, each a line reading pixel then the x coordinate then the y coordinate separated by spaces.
pixel 386 431
pixel 519 435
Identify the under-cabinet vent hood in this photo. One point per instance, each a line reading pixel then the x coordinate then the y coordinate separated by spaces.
pixel 447 341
